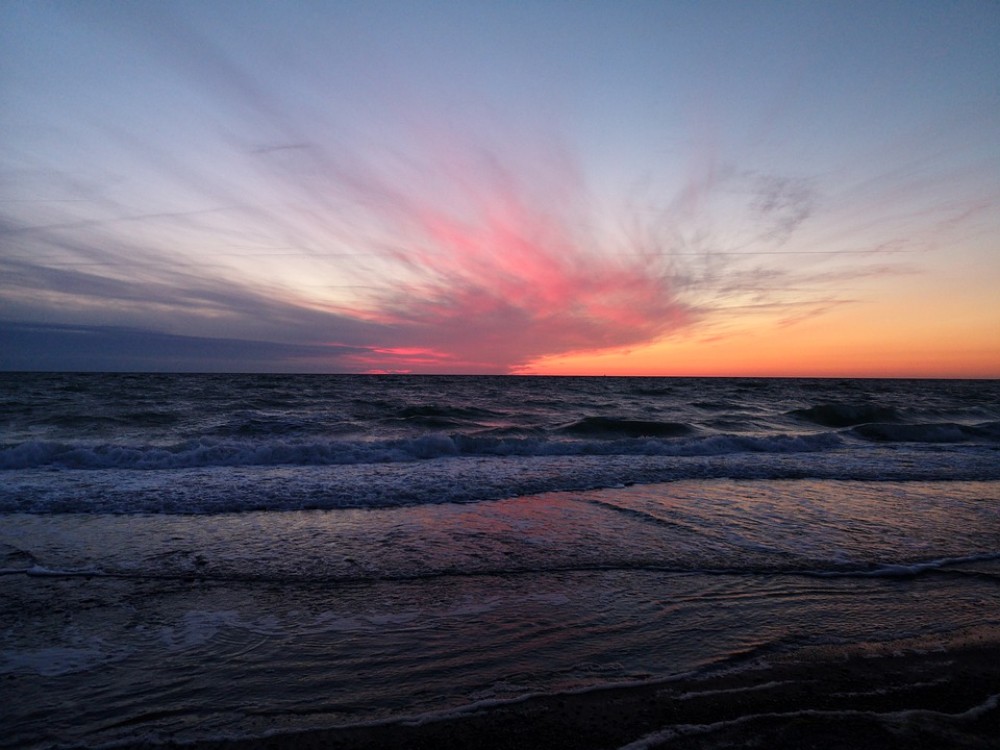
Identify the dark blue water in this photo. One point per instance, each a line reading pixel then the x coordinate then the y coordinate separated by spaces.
pixel 206 444
pixel 187 556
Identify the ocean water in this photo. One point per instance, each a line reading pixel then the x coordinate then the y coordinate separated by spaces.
pixel 197 556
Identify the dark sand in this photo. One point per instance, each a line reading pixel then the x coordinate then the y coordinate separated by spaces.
pixel 942 699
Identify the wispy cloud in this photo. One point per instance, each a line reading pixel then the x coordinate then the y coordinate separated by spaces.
pixel 462 260
pixel 425 245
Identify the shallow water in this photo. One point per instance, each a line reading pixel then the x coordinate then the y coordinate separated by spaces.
pixel 124 627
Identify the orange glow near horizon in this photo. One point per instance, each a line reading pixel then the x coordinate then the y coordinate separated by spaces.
pixel 849 343
pixel 748 360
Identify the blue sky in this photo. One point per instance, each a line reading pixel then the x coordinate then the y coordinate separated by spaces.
pixel 488 187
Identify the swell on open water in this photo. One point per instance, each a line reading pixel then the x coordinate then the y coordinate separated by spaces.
pixel 193 556
pixel 198 444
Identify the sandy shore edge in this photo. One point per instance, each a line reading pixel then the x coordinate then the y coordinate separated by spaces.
pixel 862 701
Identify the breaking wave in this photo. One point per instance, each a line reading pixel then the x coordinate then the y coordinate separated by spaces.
pixel 207 452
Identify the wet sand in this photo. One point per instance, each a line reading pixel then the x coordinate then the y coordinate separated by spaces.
pixel 829 699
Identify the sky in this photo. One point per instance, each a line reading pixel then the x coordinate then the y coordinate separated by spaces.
pixel 580 187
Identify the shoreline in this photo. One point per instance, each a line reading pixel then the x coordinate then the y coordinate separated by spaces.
pixel 847 699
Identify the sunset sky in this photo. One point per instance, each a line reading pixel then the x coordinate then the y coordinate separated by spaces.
pixel 647 188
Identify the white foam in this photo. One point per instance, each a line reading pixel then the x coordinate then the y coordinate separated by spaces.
pixel 448 479
pixel 662 736
pixel 726 691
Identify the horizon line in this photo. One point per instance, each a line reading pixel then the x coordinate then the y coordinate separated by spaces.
pixel 491 375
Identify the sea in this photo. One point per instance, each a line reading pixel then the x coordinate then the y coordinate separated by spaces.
pixel 192 557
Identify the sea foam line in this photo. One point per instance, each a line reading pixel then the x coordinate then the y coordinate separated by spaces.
pixel 900 570
pixel 661 736
pixel 206 574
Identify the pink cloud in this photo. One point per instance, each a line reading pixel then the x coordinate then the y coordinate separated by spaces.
pixel 499 272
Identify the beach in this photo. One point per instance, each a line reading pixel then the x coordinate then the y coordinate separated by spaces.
pixel 513 623
pixel 947 698
pixel 498 562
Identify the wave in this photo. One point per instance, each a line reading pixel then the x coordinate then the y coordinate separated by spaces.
pixel 716 405
pixel 253 426
pixel 652 391
pixel 940 432
pixel 611 427
pixel 846 415
pixel 591 436
pixel 150 418
pixel 446 412
pixel 206 452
